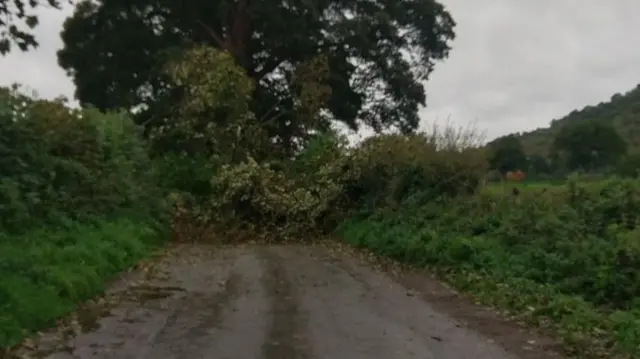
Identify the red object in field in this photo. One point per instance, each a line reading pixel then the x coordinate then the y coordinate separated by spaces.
pixel 515 176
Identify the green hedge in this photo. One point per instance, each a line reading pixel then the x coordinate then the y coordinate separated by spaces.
pixel 59 165
pixel 80 200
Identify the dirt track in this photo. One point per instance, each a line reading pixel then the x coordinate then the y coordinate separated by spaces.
pixel 285 302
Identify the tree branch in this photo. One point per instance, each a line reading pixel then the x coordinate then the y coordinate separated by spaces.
pixel 218 39
pixel 267 68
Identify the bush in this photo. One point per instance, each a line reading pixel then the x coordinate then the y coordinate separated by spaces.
pixel 391 169
pixel 315 190
pixel 59 164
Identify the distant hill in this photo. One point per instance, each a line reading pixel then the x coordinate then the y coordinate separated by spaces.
pixel 623 110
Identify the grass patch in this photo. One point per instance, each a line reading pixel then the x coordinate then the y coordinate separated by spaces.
pixel 527 186
pixel 44 274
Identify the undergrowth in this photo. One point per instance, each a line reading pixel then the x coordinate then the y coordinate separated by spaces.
pixel 44 274
pixel 567 262
pixel 79 202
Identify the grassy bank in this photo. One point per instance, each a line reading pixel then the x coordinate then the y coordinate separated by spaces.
pixel 44 274
pixel 569 263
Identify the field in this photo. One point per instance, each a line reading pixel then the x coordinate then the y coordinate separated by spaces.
pixel 505 186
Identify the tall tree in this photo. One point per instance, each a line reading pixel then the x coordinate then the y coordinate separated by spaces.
pixel 506 154
pixel 17 20
pixel 629 166
pixel 538 165
pixel 379 52
pixel 589 145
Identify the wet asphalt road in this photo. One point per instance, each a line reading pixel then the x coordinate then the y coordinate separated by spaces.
pixel 271 302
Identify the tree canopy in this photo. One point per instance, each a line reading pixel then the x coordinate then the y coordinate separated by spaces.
pixel 506 154
pixel 378 53
pixel 589 145
pixel 17 20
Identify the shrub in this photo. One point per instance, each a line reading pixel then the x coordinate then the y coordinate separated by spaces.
pixel 58 164
pixel 390 169
pixel 79 202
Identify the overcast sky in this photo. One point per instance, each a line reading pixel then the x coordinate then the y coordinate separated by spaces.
pixel 515 64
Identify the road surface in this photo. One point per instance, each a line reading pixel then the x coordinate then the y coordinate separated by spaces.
pixel 280 302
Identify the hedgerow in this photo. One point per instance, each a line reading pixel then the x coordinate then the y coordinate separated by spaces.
pixel 79 202
pixel 565 259
pixel 59 164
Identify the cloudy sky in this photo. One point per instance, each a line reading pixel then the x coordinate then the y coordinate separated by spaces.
pixel 515 65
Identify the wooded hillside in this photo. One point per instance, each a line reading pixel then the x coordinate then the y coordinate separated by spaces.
pixel 623 110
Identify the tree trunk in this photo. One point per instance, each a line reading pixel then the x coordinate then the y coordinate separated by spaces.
pixel 239 33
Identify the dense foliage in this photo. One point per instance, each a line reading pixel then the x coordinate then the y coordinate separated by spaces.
pixel 58 164
pixel 564 258
pixel 589 146
pixel 384 91
pixel 79 202
pixel 585 146
pixel 622 112
pixel 46 272
pixel 507 154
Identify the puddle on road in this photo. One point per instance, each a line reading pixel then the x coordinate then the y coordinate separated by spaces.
pixel 145 293
pixel 88 316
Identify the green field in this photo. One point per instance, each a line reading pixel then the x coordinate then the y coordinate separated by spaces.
pixel 506 186
pixel 541 186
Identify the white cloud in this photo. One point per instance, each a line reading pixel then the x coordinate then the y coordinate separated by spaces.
pixel 515 65
pixel 38 69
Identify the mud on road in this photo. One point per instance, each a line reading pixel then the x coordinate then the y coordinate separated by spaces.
pixel 282 302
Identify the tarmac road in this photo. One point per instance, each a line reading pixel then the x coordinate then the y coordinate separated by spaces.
pixel 282 302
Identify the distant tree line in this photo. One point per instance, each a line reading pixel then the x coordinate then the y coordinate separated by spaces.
pixel 587 146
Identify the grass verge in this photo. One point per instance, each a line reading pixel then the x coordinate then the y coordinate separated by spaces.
pixel 521 277
pixel 44 273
